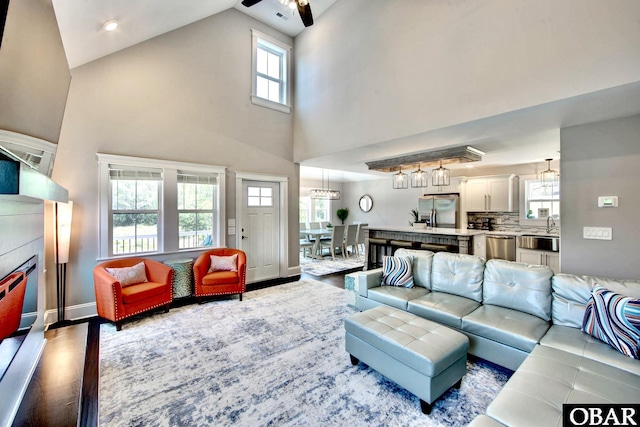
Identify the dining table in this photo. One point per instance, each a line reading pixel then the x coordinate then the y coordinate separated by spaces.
pixel 316 234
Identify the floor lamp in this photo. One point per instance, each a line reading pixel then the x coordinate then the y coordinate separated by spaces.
pixel 63 214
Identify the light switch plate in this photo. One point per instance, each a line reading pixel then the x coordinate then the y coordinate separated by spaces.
pixel 597 233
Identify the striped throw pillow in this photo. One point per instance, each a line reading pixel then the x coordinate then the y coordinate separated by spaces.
pixel 614 319
pixel 397 271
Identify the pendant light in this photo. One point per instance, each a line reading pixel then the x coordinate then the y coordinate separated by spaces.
pixel 324 193
pixel 400 180
pixel 549 178
pixel 419 178
pixel 441 176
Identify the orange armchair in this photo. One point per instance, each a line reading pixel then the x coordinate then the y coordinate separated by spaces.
pixel 116 302
pixel 219 282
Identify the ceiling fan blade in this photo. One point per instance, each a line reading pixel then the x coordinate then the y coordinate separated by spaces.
pixel 305 14
pixel 249 3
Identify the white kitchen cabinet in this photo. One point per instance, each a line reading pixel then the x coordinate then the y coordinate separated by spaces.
pixel 531 256
pixel 492 194
pixel 453 188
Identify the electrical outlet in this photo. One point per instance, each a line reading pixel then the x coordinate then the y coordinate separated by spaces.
pixel 597 233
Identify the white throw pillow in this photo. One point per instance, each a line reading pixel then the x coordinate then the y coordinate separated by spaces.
pixel 223 263
pixel 129 275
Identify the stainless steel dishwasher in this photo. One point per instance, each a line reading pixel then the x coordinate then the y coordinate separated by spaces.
pixel 501 247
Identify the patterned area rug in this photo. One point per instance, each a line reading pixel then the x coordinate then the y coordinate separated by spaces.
pixel 275 359
pixel 327 265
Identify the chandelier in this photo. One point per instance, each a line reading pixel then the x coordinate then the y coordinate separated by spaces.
pixel 419 178
pixel 400 180
pixel 549 177
pixel 324 193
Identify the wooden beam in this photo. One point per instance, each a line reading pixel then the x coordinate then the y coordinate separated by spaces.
pixel 427 158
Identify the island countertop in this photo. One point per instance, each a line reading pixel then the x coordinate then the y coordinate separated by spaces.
pixel 429 230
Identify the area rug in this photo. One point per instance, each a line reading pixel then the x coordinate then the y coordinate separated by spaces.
pixel 327 265
pixel 275 359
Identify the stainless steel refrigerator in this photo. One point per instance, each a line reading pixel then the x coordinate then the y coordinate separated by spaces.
pixel 440 210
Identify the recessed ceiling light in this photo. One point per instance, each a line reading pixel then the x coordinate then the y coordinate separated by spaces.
pixel 110 25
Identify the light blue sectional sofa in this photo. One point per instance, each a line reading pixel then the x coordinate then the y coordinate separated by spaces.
pixel 521 317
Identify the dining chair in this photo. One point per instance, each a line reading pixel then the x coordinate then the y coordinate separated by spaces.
pixel 350 240
pixel 360 238
pixel 336 241
pixel 314 225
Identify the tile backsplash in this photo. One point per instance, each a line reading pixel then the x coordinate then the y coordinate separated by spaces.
pixel 510 221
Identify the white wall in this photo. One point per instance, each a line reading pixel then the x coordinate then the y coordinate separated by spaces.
pixel 370 71
pixel 183 96
pixel 601 159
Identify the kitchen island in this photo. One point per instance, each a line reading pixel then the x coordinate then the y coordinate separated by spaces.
pixel 453 239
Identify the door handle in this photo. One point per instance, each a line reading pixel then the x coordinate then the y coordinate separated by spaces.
pixel 244 237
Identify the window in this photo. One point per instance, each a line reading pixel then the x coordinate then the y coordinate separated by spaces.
pixel 313 210
pixel 270 69
pixel 134 209
pixel 260 196
pixel 156 206
pixel 196 213
pixel 538 197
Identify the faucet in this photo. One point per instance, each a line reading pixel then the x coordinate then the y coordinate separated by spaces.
pixel 550 223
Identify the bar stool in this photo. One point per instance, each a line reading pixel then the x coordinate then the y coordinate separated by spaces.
pixel 434 247
pixel 397 244
pixel 378 247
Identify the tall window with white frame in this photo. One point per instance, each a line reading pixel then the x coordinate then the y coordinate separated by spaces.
pixel 134 210
pixel 196 209
pixel 270 72
pixel 158 206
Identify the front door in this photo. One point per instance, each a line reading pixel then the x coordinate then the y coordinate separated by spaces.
pixel 260 229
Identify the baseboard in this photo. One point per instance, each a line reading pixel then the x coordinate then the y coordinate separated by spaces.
pixel 74 312
pixel 293 271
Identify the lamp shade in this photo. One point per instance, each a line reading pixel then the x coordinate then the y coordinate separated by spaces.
pixel 419 178
pixel 64 213
pixel 400 180
pixel 549 177
pixel 441 176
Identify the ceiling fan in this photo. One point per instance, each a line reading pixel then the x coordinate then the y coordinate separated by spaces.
pixel 303 8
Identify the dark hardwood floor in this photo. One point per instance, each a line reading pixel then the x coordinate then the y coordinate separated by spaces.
pixel 64 388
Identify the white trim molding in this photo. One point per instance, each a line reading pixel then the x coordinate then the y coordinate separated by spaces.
pixel 283 268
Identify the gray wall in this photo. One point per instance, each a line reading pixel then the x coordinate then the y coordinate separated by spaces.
pixel 182 96
pixel 34 75
pixel 372 71
pixel 601 159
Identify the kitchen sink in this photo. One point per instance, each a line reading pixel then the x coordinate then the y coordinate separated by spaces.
pixel 543 243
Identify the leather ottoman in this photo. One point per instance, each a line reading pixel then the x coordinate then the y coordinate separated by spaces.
pixel 422 356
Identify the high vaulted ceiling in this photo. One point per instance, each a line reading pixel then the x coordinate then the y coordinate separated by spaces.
pixel 84 39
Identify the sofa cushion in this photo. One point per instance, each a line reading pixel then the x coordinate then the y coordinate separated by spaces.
pixel 504 325
pixel 571 294
pixel 142 291
pixel 422 263
pixel 397 271
pixel 519 286
pixel 443 308
pixel 575 341
pixel 458 274
pixel 395 296
pixel 615 319
pixel 548 378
